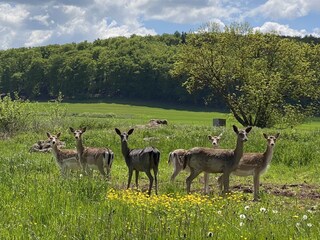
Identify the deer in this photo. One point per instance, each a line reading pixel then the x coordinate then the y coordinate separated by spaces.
pixel 176 158
pixel 66 159
pixel 93 158
pixel 255 164
pixel 209 160
pixel 140 160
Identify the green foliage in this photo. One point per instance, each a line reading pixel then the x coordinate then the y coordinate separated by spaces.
pixel 255 74
pixel 14 114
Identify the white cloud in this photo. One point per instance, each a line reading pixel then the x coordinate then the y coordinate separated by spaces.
pixel 284 30
pixel 44 19
pixel 7 36
pixel 103 30
pixel 287 9
pixel 35 22
pixel 12 14
pixel 37 38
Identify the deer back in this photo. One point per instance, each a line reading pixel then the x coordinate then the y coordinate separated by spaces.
pixel 144 159
pixel 208 159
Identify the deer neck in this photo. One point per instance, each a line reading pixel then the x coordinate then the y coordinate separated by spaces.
pixel 80 147
pixel 238 152
pixel 56 152
pixel 125 151
pixel 268 154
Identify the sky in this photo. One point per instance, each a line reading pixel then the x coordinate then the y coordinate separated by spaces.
pixel 29 23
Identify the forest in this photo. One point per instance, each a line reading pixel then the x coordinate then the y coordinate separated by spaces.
pixel 223 70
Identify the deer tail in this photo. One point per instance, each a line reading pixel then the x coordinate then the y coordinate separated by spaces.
pixel 108 156
pixel 170 157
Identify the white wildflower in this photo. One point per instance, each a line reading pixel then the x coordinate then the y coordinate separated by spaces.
pixel 263 209
pixel 246 208
pixel 210 234
pixel 242 216
pixel 309 224
pixel 304 217
pixel 241 224
pixel 297 224
pixel 219 212
pixel 275 211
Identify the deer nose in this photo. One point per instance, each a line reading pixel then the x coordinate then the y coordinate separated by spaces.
pixel 272 144
pixel 53 142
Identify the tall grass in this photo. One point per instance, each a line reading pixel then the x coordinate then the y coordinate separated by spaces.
pixel 37 203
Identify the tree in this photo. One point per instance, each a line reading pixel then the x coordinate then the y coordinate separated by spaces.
pixel 257 75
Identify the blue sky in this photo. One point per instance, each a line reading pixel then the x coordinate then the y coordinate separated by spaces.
pixel 28 23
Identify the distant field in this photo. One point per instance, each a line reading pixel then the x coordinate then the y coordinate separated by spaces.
pixel 143 114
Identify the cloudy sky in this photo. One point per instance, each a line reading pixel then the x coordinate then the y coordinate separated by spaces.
pixel 27 23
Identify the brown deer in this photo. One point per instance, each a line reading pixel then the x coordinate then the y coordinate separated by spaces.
pixel 93 158
pixel 210 160
pixel 138 160
pixel 176 158
pixel 65 159
pixel 255 164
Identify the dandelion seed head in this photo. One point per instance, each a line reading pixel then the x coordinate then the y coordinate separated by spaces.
pixel 246 208
pixel 304 217
pixel 242 216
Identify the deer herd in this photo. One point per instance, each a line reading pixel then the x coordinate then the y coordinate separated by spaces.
pixel 195 160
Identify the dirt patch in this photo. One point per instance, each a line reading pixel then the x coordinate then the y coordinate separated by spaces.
pixel 299 190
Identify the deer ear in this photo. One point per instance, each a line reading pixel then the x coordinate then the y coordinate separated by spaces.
pixel 117 131
pixel 130 131
pixel 58 134
pixel 265 136
pixel 235 129
pixel 48 135
pixel 209 137
pixel 248 129
pixel 84 129
pixel 71 129
pixel 277 135
pixel 220 135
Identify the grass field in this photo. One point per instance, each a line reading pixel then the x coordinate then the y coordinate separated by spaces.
pixel 37 203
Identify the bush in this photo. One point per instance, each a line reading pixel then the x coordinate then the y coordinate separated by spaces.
pixel 14 114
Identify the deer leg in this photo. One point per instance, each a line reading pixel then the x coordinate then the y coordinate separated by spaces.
pixel 206 183
pixel 226 179
pixel 150 181
pixel 101 170
pixel 177 170
pixel 193 174
pixel 137 178
pixel 175 173
pixel 256 184
pixel 130 177
pixel 220 180
pixel 155 171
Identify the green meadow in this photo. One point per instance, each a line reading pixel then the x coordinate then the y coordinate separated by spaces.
pixel 38 203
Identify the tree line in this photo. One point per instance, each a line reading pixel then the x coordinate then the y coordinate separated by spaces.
pixel 259 77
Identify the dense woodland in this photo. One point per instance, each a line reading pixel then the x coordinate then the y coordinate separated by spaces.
pixel 142 68
pixel 136 67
